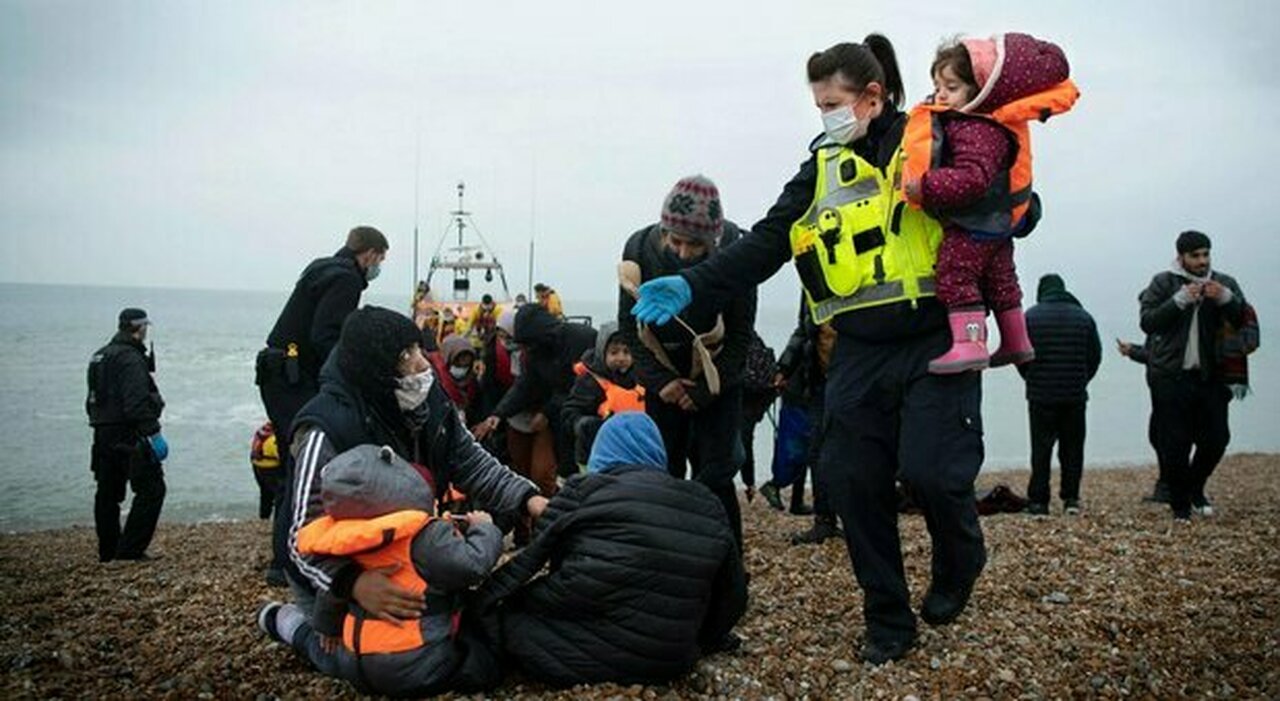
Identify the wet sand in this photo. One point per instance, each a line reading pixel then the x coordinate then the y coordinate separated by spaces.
pixel 1113 603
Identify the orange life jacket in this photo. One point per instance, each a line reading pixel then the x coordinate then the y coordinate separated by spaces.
pixel 375 542
pixel 1003 207
pixel 617 399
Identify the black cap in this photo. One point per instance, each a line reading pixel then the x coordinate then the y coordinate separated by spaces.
pixel 132 317
pixel 1189 241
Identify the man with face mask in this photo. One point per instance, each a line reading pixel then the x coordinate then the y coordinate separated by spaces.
pixel 288 369
pixel 377 387
pixel 680 398
pixel 1183 310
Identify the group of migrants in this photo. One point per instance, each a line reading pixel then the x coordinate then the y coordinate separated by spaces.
pixel 403 449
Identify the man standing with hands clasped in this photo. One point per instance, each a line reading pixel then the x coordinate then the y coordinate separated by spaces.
pixel 1183 310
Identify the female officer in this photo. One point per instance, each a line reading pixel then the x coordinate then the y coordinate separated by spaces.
pixel 865 259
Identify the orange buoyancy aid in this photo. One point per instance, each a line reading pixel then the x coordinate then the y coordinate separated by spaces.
pixel 376 542
pixel 1003 207
pixel 617 399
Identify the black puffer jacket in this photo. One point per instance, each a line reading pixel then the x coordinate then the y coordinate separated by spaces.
pixel 551 348
pixel 739 310
pixel 326 292
pixel 644 574
pixel 1068 350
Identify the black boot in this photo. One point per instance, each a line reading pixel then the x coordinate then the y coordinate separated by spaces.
pixel 1159 495
pixel 824 526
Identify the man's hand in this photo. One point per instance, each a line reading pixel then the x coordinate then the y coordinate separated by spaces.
pixel 673 392
pixel 484 428
pixel 1194 290
pixel 477 517
pixel 1124 348
pixel 536 505
pixel 384 599
pixel 1213 290
pixel 779 381
pixel 538 422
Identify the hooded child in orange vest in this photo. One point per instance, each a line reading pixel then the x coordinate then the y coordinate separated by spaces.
pixel 380 511
pixel 969 165
pixel 606 385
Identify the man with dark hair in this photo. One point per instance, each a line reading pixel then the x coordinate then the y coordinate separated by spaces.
pixel 288 369
pixel 1183 310
pixel 1068 353
pixel 124 408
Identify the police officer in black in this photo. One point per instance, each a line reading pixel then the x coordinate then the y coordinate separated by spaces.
pixel 288 369
pixel 124 409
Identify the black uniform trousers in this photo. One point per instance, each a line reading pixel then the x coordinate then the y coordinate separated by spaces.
pixel 1063 424
pixel 712 434
pixel 283 399
pixel 120 460
pixel 888 419
pixel 1189 411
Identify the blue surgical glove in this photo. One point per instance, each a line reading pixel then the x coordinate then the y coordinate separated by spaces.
pixel 661 299
pixel 159 446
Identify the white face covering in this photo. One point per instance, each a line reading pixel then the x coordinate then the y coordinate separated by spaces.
pixel 843 126
pixel 413 389
pixel 458 372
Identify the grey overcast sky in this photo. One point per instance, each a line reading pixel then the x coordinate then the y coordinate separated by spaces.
pixel 224 144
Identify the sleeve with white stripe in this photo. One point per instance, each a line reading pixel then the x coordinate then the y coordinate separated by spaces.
pixel 312 451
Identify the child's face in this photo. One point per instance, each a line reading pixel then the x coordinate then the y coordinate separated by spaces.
pixel 949 90
pixel 617 357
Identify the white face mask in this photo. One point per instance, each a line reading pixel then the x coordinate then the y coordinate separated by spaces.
pixel 458 372
pixel 413 389
pixel 843 126
pixel 372 273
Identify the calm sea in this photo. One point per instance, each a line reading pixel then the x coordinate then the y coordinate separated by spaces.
pixel 205 344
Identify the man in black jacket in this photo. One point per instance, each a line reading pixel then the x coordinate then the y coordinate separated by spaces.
pixel 692 418
pixel 644 574
pixel 1183 310
pixel 288 369
pixel 551 347
pixel 377 387
pixel 128 449
pixel 1067 356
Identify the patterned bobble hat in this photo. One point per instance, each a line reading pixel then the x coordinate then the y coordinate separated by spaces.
pixel 692 209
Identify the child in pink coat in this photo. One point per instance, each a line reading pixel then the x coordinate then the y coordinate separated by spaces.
pixel 975 269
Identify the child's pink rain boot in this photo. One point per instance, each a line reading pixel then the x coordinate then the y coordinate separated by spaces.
pixel 968 346
pixel 1015 346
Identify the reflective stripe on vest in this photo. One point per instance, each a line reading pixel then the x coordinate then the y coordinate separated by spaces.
pixel 1001 209
pixel 373 543
pixel 858 245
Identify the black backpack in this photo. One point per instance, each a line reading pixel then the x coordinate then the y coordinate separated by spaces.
pixel 759 367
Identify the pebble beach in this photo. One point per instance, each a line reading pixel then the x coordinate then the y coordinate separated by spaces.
pixel 1114 603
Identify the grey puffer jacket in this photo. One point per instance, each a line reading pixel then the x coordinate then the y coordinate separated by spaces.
pixel 1168 323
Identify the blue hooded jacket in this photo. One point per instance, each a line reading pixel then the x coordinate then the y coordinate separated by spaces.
pixel 628 440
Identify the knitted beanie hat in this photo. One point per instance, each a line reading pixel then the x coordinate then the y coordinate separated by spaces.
pixel 370 346
pixel 692 209
pixel 1189 241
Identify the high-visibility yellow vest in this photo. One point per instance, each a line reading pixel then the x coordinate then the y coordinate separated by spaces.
pixel 859 245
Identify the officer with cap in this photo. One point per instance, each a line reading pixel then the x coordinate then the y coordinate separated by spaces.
pixel 124 408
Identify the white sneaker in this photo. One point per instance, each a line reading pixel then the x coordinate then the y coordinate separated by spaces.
pixel 1205 510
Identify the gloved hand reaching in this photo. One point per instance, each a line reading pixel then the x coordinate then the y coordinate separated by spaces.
pixel 661 299
pixel 159 446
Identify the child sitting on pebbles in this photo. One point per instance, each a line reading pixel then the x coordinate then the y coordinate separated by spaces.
pixel 380 512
